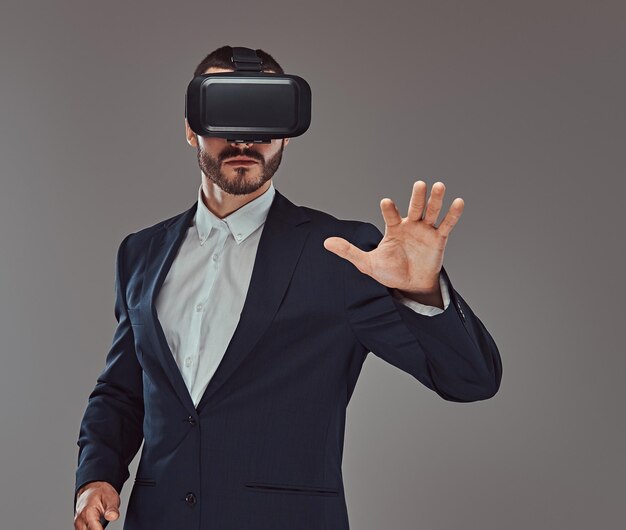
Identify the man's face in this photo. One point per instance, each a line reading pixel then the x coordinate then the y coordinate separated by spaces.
pixel 234 177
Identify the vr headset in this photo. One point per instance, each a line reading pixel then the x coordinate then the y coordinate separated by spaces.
pixel 248 105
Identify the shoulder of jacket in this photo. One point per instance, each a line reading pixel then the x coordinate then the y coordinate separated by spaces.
pixel 143 235
pixel 325 222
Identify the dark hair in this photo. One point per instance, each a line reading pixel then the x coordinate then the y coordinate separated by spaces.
pixel 220 58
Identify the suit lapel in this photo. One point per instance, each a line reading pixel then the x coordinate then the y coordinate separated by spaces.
pixel 280 246
pixel 162 250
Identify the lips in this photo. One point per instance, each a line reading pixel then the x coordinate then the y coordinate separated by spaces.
pixel 240 161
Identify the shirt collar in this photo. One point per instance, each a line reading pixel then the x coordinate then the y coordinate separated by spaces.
pixel 241 223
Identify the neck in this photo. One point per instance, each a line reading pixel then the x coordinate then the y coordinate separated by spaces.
pixel 221 203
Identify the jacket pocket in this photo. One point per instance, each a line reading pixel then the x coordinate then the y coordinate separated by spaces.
pixel 292 488
pixel 145 481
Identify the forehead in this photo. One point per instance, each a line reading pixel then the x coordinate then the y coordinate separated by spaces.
pixel 217 70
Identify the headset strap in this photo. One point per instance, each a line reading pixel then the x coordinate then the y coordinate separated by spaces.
pixel 246 59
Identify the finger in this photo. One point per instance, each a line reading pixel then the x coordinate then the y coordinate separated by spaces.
pixel 434 203
pixel 418 199
pixel 390 212
pixel 348 251
pixel 452 217
pixel 92 515
pixel 79 524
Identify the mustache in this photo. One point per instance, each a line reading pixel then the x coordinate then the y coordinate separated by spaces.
pixel 234 154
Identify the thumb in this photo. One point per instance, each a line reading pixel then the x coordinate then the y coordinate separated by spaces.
pixel 111 513
pixel 345 249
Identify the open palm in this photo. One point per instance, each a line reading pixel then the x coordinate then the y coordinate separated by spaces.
pixel 410 255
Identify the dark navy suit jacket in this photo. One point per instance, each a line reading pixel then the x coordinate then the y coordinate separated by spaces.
pixel 263 449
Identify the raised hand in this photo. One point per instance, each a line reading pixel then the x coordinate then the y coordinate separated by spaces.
pixel 410 255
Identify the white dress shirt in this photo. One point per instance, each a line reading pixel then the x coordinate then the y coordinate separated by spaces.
pixel 215 262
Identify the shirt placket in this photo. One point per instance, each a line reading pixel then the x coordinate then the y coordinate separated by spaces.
pixel 192 360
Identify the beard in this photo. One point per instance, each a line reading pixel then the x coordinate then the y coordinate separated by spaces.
pixel 241 183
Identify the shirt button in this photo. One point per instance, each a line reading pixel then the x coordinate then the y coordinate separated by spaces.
pixel 190 498
pixel 199 307
pixel 188 361
pixel 238 237
pixel 215 257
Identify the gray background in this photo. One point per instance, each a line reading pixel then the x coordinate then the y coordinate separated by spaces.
pixel 517 107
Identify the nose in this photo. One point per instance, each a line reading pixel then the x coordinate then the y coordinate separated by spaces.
pixel 235 142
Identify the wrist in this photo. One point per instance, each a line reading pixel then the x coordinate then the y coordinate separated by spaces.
pixel 431 297
pixel 91 484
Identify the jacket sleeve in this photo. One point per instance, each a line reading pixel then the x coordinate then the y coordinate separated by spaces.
pixel 452 353
pixel 424 309
pixel 111 430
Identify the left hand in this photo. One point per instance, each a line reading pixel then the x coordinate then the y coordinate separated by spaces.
pixel 410 255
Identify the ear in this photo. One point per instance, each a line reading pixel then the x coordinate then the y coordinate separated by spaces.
pixel 192 138
pixel 287 140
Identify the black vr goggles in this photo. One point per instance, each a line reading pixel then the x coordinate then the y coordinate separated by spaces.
pixel 248 105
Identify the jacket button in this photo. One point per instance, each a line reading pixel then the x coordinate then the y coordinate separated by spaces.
pixel 190 498
pixel 191 420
